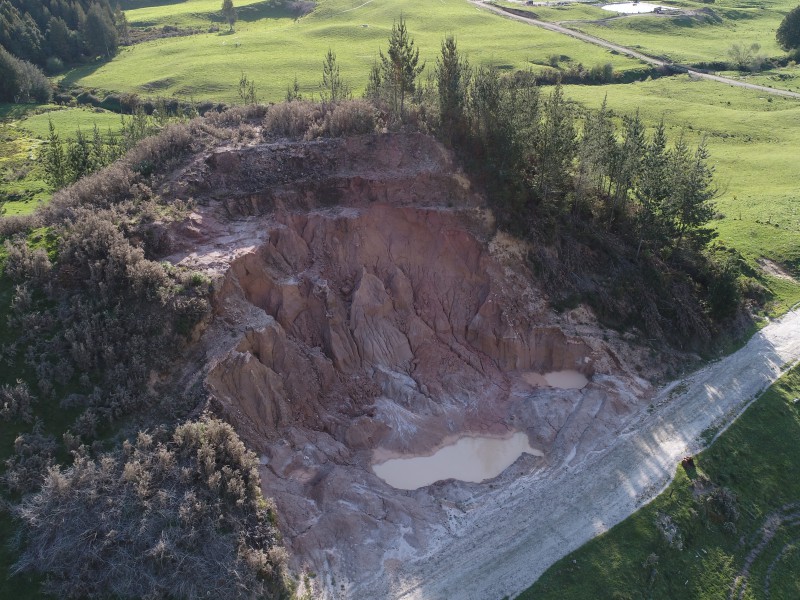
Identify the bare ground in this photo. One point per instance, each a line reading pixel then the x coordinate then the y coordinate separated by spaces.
pixel 504 544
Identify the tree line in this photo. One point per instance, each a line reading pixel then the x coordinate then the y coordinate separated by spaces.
pixel 49 34
pixel 584 183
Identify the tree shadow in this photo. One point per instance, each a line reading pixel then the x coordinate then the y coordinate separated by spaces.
pixel 73 77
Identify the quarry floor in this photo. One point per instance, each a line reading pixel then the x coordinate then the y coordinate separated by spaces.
pixel 502 546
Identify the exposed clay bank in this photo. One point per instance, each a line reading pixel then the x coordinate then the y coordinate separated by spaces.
pixel 472 459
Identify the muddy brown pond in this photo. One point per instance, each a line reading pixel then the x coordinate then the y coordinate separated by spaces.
pixel 472 458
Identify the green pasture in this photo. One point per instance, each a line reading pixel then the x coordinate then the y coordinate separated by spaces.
pixel 23 129
pixel 758 459
pixel 199 13
pixel 753 139
pixel 574 11
pixel 785 78
pixel 703 35
pixel 274 51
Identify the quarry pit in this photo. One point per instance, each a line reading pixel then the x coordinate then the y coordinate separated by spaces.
pixel 366 309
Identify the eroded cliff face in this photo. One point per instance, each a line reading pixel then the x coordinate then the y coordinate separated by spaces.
pixel 365 308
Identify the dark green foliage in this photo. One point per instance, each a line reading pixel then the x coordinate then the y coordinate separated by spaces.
pixel 22 81
pixel 619 218
pixel 452 81
pixel 70 30
pixel 175 516
pixel 99 32
pixel 399 68
pixel 788 33
pixel 84 155
pixel 334 89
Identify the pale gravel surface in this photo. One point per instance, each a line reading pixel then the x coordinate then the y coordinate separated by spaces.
pixel 503 544
pixel 632 53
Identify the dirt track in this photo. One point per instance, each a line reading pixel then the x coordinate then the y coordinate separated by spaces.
pixel 501 546
pixel 632 53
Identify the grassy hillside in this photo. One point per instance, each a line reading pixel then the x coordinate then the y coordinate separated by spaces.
pixel 758 461
pixel 275 50
pixel 23 128
pixel 753 142
pixel 197 13
pixel 703 34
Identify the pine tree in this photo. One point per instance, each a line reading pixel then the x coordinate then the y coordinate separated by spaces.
pixel 452 79
pixel 653 190
pixel 333 87
pixel 99 32
pixel 54 160
pixel 557 147
pixel 690 205
pixel 400 66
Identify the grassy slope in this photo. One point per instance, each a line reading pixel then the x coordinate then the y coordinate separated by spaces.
pixel 195 13
pixel 699 38
pixel 753 142
pixel 759 459
pixel 22 130
pixel 274 51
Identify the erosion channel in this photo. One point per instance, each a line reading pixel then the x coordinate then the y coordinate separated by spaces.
pixel 367 309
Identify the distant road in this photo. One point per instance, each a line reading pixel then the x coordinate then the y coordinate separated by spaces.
pixel 659 62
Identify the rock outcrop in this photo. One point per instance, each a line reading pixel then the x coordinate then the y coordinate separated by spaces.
pixel 364 309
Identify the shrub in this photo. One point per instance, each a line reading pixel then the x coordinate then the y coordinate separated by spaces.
pixel 33 456
pixel 21 81
pixel 16 402
pixel 293 119
pixel 353 117
pixel 54 65
pixel 178 516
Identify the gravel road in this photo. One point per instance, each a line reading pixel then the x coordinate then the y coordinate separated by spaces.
pixel 632 53
pixel 502 545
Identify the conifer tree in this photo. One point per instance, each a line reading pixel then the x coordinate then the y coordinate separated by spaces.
pixel 400 66
pixel 452 79
pixel 333 87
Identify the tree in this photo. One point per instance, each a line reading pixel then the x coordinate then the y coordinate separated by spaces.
pixel 746 57
pixel 788 34
pixel 229 12
pixel 452 79
pixel 247 90
pixel 54 160
pixel 100 33
pixel 653 190
pixel 400 66
pixel 689 206
pixel 123 30
pixel 557 147
pixel 334 89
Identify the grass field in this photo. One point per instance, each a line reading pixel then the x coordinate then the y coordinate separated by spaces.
pixel 200 13
pixel 758 459
pixel 704 36
pixel 273 51
pixel 23 128
pixel 753 141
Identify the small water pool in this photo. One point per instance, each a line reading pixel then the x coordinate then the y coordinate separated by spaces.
pixel 472 459
pixel 567 379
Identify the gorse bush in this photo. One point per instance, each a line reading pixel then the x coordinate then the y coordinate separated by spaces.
pixel 168 516
pixel 302 119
